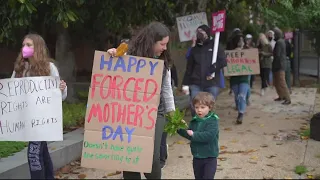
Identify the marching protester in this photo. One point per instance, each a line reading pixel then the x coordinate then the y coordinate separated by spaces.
pixel 239 84
pixel 272 42
pixel 289 63
pixel 265 53
pixel 248 45
pixel 203 133
pixel 34 60
pixel 152 41
pixel 199 66
pixel 279 67
pixel 230 45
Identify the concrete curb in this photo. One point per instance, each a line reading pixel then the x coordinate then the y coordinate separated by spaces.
pixel 62 153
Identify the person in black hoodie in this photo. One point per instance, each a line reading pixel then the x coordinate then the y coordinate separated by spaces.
pixel 200 67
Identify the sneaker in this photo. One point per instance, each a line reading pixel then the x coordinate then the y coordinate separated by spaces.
pixel 163 165
pixel 240 118
pixel 248 102
pixel 286 102
pixel 262 92
pixel 167 151
pixel 279 99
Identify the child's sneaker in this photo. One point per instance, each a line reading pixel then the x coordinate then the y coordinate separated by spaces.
pixel 167 151
pixel 262 91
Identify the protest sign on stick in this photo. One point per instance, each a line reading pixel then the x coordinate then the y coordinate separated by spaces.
pixel 218 24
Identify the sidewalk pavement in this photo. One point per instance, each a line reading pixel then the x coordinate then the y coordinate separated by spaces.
pixel 267 144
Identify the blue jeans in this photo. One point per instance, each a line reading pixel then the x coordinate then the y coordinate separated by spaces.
pixel 240 96
pixel 194 90
pixel 270 78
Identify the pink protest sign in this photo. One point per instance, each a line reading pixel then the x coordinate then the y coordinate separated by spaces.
pixel 218 21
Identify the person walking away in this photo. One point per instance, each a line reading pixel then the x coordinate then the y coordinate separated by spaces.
pixel 239 84
pixel 229 45
pixel 265 53
pixel 203 134
pixel 34 60
pixel 151 42
pixel 288 68
pixel 199 66
pixel 248 45
pixel 272 42
pixel 279 67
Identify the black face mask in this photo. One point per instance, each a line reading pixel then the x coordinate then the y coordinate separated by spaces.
pixel 270 38
pixel 200 37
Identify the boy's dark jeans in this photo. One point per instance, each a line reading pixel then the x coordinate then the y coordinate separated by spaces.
pixel 204 168
pixel 40 164
pixel 156 168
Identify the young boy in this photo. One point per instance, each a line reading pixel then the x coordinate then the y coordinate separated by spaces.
pixel 203 133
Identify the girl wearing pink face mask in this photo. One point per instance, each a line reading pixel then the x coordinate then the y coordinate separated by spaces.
pixel 34 60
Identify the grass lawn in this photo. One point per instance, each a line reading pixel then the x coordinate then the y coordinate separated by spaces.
pixel 9 148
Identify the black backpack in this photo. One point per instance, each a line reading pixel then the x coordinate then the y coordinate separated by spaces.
pixel 315 127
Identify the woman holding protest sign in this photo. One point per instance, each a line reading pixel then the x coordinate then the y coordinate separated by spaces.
pixel 152 42
pixel 239 84
pixel 34 60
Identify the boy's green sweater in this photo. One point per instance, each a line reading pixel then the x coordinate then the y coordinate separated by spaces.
pixel 204 142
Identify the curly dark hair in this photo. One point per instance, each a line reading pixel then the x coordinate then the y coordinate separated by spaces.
pixel 142 44
pixel 234 40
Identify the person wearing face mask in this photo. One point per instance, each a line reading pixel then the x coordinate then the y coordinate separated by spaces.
pixel 279 67
pixel 239 84
pixel 199 66
pixel 34 60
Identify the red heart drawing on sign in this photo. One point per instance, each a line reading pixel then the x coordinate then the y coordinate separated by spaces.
pixel 187 34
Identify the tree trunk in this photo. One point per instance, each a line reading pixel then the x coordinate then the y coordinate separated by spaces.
pixel 202 5
pixel 66 61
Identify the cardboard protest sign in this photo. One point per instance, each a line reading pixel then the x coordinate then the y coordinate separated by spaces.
pixel 242 62
pixel 31 109
pixel 121 113
pixel 187 25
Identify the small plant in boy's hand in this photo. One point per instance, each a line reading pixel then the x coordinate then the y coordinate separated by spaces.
pixel 175 122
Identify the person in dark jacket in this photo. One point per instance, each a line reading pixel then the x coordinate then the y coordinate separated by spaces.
pixel 279 65
pixel 203 134
pixel 199 66
pixel 289 60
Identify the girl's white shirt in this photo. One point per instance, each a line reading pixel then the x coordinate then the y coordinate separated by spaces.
pixel 53 72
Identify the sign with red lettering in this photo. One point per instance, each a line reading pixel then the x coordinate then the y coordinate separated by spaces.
pixel 242 62
pixel 218 21
pixel 121 113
